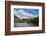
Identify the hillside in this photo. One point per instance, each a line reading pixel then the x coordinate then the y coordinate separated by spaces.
pixel 31 20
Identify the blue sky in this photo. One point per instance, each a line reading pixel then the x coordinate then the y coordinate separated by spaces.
pixel 35 12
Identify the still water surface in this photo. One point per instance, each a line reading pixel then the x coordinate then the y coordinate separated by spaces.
pixel 25 25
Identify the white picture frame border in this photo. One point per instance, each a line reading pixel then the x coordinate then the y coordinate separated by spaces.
pixel 25 28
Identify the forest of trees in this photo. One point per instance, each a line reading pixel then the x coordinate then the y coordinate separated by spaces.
pixel 31 20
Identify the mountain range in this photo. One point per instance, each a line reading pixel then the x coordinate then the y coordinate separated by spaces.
pixel 23 15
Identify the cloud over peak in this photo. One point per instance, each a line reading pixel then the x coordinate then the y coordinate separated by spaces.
pixel 21 14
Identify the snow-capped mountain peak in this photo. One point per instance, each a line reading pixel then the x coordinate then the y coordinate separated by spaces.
pixel 21 14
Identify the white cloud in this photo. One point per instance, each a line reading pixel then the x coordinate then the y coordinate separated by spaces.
pixel 21 14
